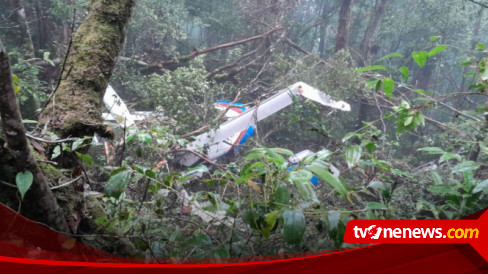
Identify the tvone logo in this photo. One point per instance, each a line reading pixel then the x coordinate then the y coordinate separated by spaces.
pixel 374 232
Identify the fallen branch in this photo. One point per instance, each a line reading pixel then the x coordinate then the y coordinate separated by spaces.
pixel 441 125
pixel 479 3
pixel 234 64
pixel 51 141
pixel 199 156
pixel 297 47
pixel 67 183
pixel 7 184
pixel 196 53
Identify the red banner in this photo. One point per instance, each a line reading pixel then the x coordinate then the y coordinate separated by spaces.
pixel 27 246
pixel 473 232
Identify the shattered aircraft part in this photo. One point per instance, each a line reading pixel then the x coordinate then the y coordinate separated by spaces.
pixel 117 108
pixel 215 141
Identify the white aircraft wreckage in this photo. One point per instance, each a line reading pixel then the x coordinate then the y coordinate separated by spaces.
pixel 232 133
pixel 215 143
pixel 219 141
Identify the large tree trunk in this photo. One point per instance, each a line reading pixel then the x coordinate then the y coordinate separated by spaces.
pixel 365 47
pixel 39 200
pixel 344 25
pixel 76 107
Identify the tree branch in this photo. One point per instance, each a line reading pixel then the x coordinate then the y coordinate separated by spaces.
pixel 479 3
pixel 196 53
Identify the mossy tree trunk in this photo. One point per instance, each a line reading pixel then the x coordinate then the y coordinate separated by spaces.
pixel 75 110
pixel 39 200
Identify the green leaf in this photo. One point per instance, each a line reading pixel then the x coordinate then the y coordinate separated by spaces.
pixel 353 154
pixel 118 182
pixel 56 152
pixel 420 57
pixel 151 174
pixel 270 222
pixel 145 138
pixel 370 68
pixel 326 176
pixel 465 166
pixel 131 137
pixel 282 196
pixel 283 151
pixel 437 50
pixel 85 158
pixel 30 122
pixel 440 189
pixel 437 178
pixel 405 73
pixel 389 56
pixel 333 217
pixel 349 135
pixel 434 38
pixel 408 121
pixel 293 226
pixel 421 118
pixel 388 86
pixel 198 239
pixel 323 154
pixel 484 73
pixel 378 85
pixel 374 205
pixel 448 156
pixel 372 82
pixel 432 150
pixel 481 186
pixel 199 168
pixel 301 179
pixel 15 79
pixel 77 144
pixel 377 184
pixel 24 180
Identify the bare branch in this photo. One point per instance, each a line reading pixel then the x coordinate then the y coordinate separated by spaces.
pixel 196 53
pixel 479 3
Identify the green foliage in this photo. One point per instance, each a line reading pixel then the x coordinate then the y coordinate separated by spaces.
pixel 24 181
pixel 408 118
pixel 118 182
pixel 293 226
pixel 30 90
pixel 161 23
pixel 185 95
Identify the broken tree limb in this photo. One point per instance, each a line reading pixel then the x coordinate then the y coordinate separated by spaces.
pixel 297 47
pixel 234 64
pixel 196 53
pixel 39 200
pixel 136 62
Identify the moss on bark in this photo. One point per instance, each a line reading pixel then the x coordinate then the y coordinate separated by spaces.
pixel 76 108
